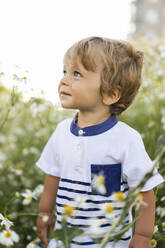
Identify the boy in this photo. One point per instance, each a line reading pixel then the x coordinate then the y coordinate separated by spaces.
pixel 101 78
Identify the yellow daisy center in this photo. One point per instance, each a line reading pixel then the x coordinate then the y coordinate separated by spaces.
pixel 163 225
pixel 32 242
pixel 101 179
pixel 140 196
pixel 29 197
pixel 153 241
pixel 120 196
pixel 6 219
pixel 68 210
pixel 109 208
pixel 8 234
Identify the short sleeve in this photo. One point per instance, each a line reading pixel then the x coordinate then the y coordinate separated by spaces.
pixel 136 163
pixel 49 159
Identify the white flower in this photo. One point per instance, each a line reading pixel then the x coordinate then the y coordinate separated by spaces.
pixel 108 210
pixel 163 198
pixel 95 225
pixel 17 171
pixel 119 198
pixel 8 237
pixel 45 218
pixel 38 190
pixel 29 195
pixel 98 183
pixel 81 201
pixel 54 244
pixel 155 229
pixel 139 201
pixel 32 244
pixel 163 226
pixel 160 211
pixel 7 223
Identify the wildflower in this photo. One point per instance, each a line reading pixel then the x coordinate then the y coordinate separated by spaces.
pixel 163 226
pixel 95 225
pixel 155 229
pixel 119 196
pixel 163 198
pixel 8 237
pixel 98 183
pixel 139 201
pixel 29 195
pixel 81 201
pixel 160 211
pixel 68 210
pixel 54 244
pixel 6 222
pixel 32 244
pixel 153 242
pixel 17 171
pixel 38 190
pixel 108 210
pixel 150 123
pixel 45 218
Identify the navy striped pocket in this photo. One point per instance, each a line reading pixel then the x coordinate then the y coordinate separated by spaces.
pixel 112 177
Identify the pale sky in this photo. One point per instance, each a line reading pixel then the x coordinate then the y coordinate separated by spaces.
pixel 36 33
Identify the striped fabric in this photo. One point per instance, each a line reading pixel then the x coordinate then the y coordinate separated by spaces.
pixel 68 191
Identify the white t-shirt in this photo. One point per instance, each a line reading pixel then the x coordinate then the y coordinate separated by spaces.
pixel 76 154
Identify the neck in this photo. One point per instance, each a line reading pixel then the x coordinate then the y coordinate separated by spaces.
pixel 89 119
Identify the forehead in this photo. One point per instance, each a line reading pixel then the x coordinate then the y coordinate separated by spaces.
pixel 90 61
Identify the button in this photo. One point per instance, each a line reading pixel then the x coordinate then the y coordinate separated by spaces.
pixel 80 132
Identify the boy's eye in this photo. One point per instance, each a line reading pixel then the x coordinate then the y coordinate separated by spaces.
pixel 64 72
pixel 77 74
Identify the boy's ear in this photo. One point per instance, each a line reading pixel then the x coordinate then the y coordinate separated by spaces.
pixel 112 97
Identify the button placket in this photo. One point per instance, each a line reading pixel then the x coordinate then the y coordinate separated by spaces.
pixel 80 152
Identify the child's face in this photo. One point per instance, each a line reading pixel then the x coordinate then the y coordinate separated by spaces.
pixel 82 87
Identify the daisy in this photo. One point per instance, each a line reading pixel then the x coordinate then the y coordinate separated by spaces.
pixel 68 210
pixel 98 183
pixel 163 226
pixel 108 210
pixel 95 225
pixel 8 237
pixel 160 211
pixel 6 222
pixel 29 195
pixel 53 243
pixel 155 229
pixel 139 201
pixel 81 201
pixel 119 198
pixel 153 242
pixel 32 244
pixel 38 190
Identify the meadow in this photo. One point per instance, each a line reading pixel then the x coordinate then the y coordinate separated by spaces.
pixel 25 127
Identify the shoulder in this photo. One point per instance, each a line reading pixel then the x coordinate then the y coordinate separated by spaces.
pixel 127 133
pixel 63 125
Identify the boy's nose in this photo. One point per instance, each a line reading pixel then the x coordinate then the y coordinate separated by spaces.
pixel 66 80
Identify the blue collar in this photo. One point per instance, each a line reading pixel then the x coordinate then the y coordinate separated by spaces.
pixel 92 130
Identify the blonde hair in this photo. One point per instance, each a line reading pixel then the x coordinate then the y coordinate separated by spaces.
pixel 121 67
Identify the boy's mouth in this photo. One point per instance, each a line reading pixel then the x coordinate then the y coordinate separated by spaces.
pixel 64 93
